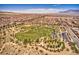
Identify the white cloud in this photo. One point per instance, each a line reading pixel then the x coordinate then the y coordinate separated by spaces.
pixel 39 10
pixel 50 10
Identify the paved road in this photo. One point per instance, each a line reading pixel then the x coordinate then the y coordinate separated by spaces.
pixel 72 36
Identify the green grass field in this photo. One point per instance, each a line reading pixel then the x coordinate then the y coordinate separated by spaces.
pixel 33 33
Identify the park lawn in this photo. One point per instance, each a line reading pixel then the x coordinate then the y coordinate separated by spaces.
pixel 34 33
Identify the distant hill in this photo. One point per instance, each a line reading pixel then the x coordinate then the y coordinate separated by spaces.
pixel 70 12
pixel 8 13
pixel 5 12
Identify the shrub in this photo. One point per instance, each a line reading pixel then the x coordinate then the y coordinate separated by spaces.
pixel 41 51
pixel 46 54
pixel 36 48
pixel 67 49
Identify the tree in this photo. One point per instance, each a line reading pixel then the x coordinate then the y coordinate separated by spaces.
pixel 63 47
pixel 37 40
pixel 67 49
pixel 58 50
pixel 25 41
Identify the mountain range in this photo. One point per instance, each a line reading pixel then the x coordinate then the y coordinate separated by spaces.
pixel 70 11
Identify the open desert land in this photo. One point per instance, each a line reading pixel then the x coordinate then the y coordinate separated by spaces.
pixel 39 34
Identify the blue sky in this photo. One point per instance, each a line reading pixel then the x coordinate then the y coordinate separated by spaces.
pixel 37 7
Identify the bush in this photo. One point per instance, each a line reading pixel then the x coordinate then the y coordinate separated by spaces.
pixel 58 50
pixel 63 47
pixel 46 54
pixel 25 41
pixel 36 48
pixel 37 40
pixel 67 49
pixel 73 47
pixel 41 51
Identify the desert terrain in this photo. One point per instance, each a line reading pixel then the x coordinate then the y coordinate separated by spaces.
pixel 39 34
